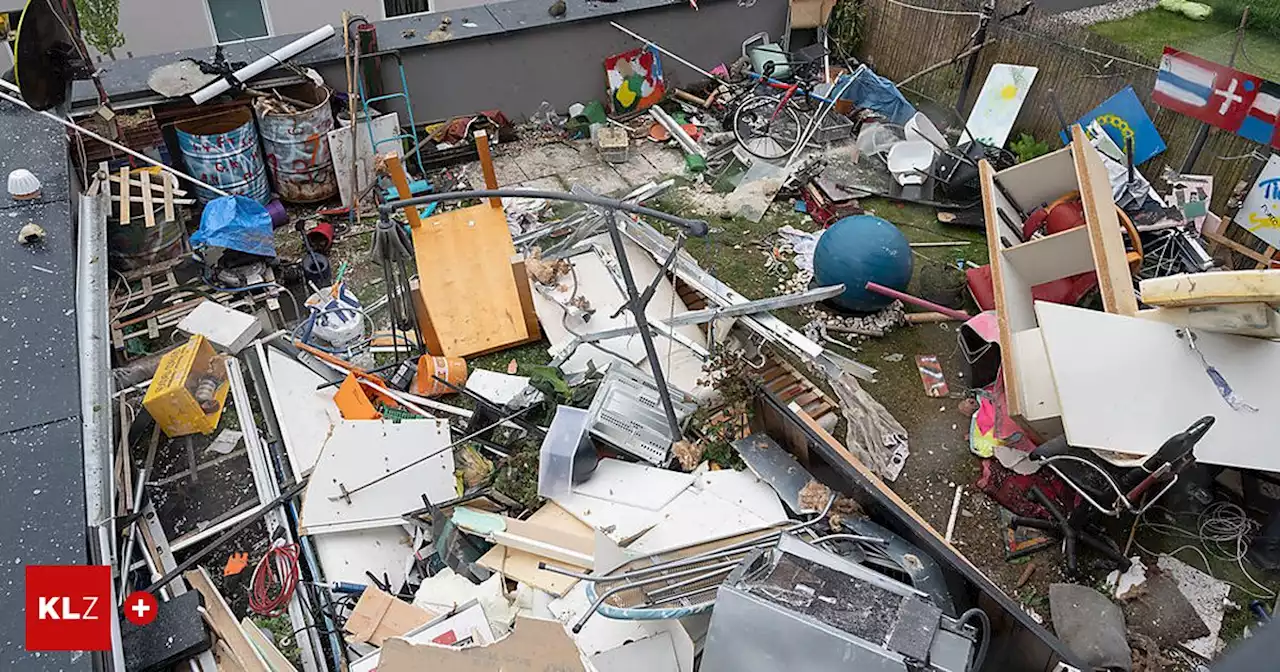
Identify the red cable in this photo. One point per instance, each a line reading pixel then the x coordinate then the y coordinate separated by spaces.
pixel 273 582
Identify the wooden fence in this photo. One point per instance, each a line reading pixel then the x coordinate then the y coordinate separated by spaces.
pixel 1081 67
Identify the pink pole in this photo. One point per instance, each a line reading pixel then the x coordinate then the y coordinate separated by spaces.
pixel 916 301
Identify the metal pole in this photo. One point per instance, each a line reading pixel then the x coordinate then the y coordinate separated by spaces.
pixel 642 323
pixel 971 67
pixel 72 125
pixel 1202 135
pixel 657 46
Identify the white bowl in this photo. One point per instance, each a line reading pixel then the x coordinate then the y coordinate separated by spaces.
pixel 23 185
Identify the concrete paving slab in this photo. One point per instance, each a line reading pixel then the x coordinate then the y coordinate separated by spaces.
pixel 600 178
pixel 636 170
pixel 508 170
pixel 555 159
pixel 548 183
pixel 667 161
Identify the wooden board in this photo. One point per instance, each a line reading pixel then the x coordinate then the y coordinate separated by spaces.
pixel 1115 282
pixel 523 567
pixel 1243 319
pixel 169 214
pixel 1200 289
pixel 124 195
pixel 1040 180
pixel 148 211
pixel 1060 255
pixel 275 660
pixel 464 270
pixel 1127 384
pixel 224 622
pixel 1035 379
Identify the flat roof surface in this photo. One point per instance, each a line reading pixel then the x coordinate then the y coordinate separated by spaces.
pixel 42 497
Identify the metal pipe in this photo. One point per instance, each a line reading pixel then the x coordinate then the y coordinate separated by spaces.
pixel 577 627
pixel 678 59
pixel 683 596
pixel 849 537
pixel 696 227
pixel 80 129
pixel 690 582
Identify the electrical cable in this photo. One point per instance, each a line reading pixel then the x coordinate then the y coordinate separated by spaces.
pixel 274 580
pixel 930 10
pixel 1223 529
pixel 979 656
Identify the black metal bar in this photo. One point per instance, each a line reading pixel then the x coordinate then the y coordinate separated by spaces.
pixel 647 294
pixel 696 227
pixel 642 323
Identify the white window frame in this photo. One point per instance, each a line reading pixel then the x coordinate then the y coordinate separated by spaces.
pixel 383 6
pixel 213 29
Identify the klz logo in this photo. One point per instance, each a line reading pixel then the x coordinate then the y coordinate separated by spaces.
pixel 67 607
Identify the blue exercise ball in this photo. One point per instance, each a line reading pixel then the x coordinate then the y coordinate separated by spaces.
pixel 861 249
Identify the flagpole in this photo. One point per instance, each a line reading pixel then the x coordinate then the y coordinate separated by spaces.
pixel 1202 135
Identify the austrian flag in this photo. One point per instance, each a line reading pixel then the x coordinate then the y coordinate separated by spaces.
pixel 1218 95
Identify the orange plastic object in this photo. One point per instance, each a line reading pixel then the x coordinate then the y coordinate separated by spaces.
pixel 452 369
pixel 236 563
pixel 353 403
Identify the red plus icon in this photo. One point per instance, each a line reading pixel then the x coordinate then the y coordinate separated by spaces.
pixel 140 607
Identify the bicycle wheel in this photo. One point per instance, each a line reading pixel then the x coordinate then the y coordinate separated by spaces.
pixel 764 130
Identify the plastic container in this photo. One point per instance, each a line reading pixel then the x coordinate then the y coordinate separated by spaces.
pixel 173 399
pixel 568 455
pixel 452 369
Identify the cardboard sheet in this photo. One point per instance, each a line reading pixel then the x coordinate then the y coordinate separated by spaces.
pixel 533 646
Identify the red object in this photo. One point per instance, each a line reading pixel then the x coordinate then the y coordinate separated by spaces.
pixel 320 236
pixel 917 301
pixel 1067 290
pixel 1218 95
pixel 274 580
pixel 68 607
pixel 140 607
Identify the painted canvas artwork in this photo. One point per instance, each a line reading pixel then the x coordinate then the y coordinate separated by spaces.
pixel 999 102
pixel 635 80
pixel 1260 213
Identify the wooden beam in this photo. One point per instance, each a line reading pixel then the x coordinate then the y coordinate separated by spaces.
pixel 525 290
pixel 1115 282
pixel 486 166
pixel 155 187
pixel 124 193
pixel 1236 247
pixel 401 180
pixel 148 208
pixel 169 215
pixel 224 622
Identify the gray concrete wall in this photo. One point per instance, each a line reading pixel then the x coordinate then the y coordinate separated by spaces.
pixel 563 64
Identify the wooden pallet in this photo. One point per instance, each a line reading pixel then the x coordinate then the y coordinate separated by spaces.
pixel 152 189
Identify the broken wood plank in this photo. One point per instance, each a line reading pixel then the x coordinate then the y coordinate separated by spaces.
pixel 169 215
pixel 1203 289
pixel 175 201
pixel 486 166
pixel 262 644
pixel 148 211
pixel 1115 282
pixel 224 622
pixel 124 193
pixel 155 187
pixel 401 181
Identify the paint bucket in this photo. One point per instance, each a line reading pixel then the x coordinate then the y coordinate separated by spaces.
pixel 297 147
pixel 452 369
pixel 223 151
pixel 279 216
pixel 319 236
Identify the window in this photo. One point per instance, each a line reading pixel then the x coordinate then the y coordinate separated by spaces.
pixel 235 20
pixel 405 7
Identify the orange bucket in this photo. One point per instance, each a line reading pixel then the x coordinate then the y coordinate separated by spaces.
pixel 452 369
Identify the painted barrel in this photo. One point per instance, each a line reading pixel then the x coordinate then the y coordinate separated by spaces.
pixel 297 147
pixel 223 151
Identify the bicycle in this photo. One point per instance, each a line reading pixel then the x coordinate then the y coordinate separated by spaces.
pixel 769 122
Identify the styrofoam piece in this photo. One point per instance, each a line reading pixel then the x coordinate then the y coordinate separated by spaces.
pixel 448 591
pixel 606 634
pixel 306 414
pixel 359 451
pixel 1207 596
pixel 500 388
pixel 228 329
pixel 633 484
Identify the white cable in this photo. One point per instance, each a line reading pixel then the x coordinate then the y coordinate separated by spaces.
pixel 1224 529
pixel 946 12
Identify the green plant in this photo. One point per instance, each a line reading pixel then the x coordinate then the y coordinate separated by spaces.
pixel 1264 15
pixel 845 27
pixel 1026 147
pixel 100 23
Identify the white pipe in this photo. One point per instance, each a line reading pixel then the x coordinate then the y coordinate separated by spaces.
pixel 688 143
pixel 277 57
pixel 72 125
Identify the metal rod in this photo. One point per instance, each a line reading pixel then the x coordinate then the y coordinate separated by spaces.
pixel 659 47
pixel 696 227
pixel 577 627
pixel 642 323
pixel 80 129
pixel 690 582
pixel 849 537
pixel 683 596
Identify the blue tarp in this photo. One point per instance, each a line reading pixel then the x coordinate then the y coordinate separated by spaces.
pixel 236 223
pixel 876 93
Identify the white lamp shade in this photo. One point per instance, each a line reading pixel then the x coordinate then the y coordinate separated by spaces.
pixel 23 184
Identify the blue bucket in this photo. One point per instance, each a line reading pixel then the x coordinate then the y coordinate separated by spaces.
pixel 224 151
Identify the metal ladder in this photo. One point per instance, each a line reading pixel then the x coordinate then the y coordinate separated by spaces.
pixel 403 93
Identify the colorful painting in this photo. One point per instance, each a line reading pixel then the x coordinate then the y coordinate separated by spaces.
pixel 1122 116
pixel 1232 100
pixel 1191 195
pixel 1260 213
pixel 999 102
pixel 635 80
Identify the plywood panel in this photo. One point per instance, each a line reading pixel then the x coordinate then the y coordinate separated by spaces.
pixel 1040 180
pixel 1127 384
pixel 1052 257
pixel 1115 283
pixel 464 266
pixel 1035 379
pixel 1199 289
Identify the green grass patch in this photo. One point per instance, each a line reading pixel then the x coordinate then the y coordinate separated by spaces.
pixel 1150 31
